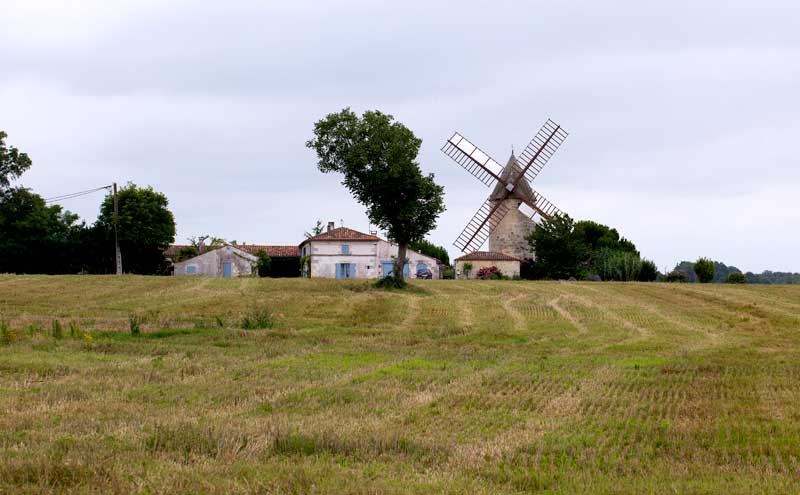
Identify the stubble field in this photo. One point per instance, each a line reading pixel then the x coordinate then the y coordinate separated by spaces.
pixel 452 387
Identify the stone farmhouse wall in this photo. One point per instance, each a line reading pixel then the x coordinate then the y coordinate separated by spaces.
pixel 508 268
pixel 210 263
pixel 367 256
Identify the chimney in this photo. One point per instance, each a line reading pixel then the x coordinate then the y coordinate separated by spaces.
pixel 330 226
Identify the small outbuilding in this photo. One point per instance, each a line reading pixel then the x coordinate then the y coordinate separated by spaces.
pixel 508 265
pixel 225 262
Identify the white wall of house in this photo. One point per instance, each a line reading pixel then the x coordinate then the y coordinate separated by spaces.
pixel 365 258
pixel 213 263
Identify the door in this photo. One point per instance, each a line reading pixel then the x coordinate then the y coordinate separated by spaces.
pixel 226 270
pixel 388 267
pixel 345 270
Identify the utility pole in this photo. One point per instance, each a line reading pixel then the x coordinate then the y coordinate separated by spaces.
pixel 118 253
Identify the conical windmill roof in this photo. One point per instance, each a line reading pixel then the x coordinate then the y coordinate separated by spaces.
pixel 509 175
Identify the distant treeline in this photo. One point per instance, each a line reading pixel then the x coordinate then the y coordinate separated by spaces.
pixel 721 272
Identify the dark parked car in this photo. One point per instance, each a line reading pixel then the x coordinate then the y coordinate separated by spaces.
pixel 425 273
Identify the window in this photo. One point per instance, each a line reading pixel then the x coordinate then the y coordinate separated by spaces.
pixel 191 269
pixel 345 249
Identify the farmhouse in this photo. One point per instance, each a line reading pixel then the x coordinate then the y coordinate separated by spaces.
pixel 227 261
pixel 508 265
pixel 346 253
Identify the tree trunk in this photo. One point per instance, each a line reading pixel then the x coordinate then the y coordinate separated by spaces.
pixel 400 262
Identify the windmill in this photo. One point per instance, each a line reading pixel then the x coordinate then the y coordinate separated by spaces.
pixel 509 213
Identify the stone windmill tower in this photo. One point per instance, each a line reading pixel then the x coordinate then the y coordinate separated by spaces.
pixel 508 215
pixel 509 235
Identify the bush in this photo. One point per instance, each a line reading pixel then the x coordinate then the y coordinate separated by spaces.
pixel 676 277
pixel 390 282
pixel 704 268
pixel 135 323
pixel 648 271
pixel 489 273
pixel 616 264
pixel 57 330
pixel 74 329
pixel 257 318
pixel 264 265
pixel 449 273
pixel 467 269
pixel 736 278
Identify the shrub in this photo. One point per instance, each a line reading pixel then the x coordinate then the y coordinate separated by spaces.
pixel 390 282
pixel 676 277
pixel 257 318
pixel 704 268
pixel 135 323
pixel 7 335
pixel 74 329
pixel 449 273
pixel 467 269
pixel 57 330
pixel 264 265
pixel 648 271
pixel 619 265
pixel 489 273
pixel 736 278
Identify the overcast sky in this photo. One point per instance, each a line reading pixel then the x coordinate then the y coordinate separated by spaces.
pixel 684 117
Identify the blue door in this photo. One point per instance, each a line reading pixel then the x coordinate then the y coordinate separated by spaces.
pixel 388 267
pixel 345 270
pixel 226 270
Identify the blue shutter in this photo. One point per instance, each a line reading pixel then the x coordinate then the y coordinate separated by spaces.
pixel 345 249
pixel 352 270
pixel 338 270
pixel 405 270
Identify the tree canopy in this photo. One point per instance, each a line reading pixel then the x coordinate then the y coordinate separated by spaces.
pixel 12 163
pixel 704 268
pixel 377 157
pixel 428 248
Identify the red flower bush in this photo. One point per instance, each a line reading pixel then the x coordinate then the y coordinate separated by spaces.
pixel 489 273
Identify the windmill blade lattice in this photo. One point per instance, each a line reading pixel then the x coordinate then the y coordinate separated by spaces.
pixel 473 159
pixel 483 222
pixel 543 145
pixel 539 205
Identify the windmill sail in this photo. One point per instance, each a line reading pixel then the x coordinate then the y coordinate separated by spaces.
pixel 539 205
pixel 472 159
pixel 483 222
pixel 541 148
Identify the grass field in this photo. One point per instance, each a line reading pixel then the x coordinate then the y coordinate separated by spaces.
pixel 453 387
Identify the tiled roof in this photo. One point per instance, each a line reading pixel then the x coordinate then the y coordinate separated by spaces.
pixel 272 251
pixel 486 256
pixel 342 234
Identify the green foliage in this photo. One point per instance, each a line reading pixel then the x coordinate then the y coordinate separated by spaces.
pixel 675 277
pixel 135 324
pixel 305 266
pixel 377 157
pixel 259 317
pixel 704 268
pixel 596 236
pixel 449 273
pixel 489 273
pixel 264 264
pixel 615 264
pixel 561 252
pixel 315 230
pixel 736 278
pixel 7 335
pixel 12 163
pixel 390 282
pixel 467 268
pixel 146 227
pixel 648 271
pixel 428 248
pixel 187 252
pixel 56 330
pixel 74 329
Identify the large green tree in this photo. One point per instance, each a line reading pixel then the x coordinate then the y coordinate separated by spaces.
pixel 146 227
pixel 377 157
pixel 560 252
pixel 12 163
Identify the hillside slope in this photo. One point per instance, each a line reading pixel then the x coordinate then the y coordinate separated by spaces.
pixel 480 387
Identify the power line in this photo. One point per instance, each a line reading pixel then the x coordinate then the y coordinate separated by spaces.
pixel 75 194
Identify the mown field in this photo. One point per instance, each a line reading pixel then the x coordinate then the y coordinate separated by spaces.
pixel 452 387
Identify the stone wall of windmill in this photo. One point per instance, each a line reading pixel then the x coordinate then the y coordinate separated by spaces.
pixel 510 235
